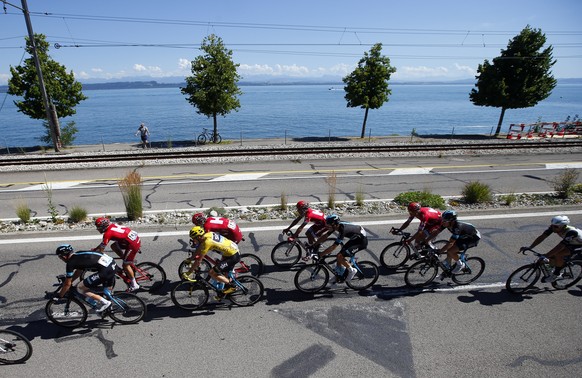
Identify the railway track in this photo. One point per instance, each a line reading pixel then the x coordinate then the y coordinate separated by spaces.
pixel 313 150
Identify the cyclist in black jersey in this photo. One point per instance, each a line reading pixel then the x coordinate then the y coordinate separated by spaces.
pixel 81 260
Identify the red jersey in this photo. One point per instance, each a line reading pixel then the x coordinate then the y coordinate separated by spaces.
pixel 225 227
pixel 428 217
pixel 124 236
pixel 315 216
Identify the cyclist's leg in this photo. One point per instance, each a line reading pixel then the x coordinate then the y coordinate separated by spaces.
pixel 557 257
pixel 220 270
pixel 94 281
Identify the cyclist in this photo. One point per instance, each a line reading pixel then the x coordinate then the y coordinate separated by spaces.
pixel 463 236
pixel 126 245
pixel 430 221
pixel 224 226
pixel 357 240
pixel 571 239
pixel 81 260
pixel 308 215
pixel 207 241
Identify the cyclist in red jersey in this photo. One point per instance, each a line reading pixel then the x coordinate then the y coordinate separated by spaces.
pixel 126 244
pixel 308 215
pixel 430 221
pixel 223 226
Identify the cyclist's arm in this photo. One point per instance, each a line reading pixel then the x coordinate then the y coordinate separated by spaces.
pixel 405 224
pixel 538 240
pixel 66 286
pixel 323 237
pixel 295 221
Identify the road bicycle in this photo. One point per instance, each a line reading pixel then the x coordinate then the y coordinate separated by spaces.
pixel 71 310
pixel 208 136
pixel 524 278
pixel 396 254
pixel 191 295
pixel 248 264
pixel 423 272
pixel 313 278
pixel 14 347
pixel 288 252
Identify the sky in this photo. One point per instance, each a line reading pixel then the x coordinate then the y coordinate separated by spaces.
pixel 426 40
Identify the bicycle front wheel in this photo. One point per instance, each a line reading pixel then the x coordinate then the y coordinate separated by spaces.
pixel 523 279
pixel 311 278
pixel 68 313
pixel 150 276
pixel 189 295
pixel 571 274
pixel 394 255
pixel 421 273
pixel 249 290
pixel 286 254
pixel 126 308
pixel 185 265
pixel 14 347
pixel 367 275
pixel 474 267
pixel 218 139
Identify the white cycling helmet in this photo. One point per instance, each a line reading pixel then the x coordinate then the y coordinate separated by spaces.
pixel 560 220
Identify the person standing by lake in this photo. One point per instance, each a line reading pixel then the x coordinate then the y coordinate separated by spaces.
pixel 144 134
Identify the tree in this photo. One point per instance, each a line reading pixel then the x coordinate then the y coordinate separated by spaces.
pixel 367 85
pixel 63 91
pixel 212 88
pixel 519 78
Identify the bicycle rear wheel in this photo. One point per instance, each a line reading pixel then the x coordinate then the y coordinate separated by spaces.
pixel 204 268
pixel 421 273
pixel 126 308
pixel 249 264
pixel 249 290
pixel 311 278
pixel 201 139
pixel 394 255
pixel 14 347
pixel 474 267
pixel 150 276
pixel 571 274
pixel 366 276
pixel 189 295
pixel 68 313
pixel 286 254
pixel 523 278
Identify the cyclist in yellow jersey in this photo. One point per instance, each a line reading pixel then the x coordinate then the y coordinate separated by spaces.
pixel 211 241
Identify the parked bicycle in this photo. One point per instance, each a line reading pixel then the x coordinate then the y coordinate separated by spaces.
pixel 397 254
pixel 71 311
pixel 288 252
pixel 248 264
pixel 524 278
pixel 192 295
pixel 423 272
pixel 14 347
pixel 313 278
pixel 208 136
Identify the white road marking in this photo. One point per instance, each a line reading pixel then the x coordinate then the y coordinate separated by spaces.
pixel 410 171
pixel 240 177
pixel 563 165
pixel 53 185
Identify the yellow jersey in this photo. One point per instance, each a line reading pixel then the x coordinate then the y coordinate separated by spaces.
pixel 218 243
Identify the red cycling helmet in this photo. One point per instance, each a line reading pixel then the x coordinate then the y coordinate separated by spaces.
pixel 413 206
pixel 302 205
pixel 102 224
pixel 199 219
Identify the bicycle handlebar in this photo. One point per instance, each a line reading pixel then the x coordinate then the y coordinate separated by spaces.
pixel 397 231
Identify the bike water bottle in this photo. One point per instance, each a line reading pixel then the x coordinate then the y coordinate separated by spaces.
pixel 92 302
pixel 339 269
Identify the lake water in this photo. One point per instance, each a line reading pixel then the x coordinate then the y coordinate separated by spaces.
pixel 292 111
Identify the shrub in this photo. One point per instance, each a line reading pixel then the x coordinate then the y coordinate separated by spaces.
pixel 77 214
pixel 476 192
pixel 283 201
pixel 332 186
pixel 565 182
pixel 360 197
pixel 67 134
pixel 424 198
pixel 130 187
pixel 23 212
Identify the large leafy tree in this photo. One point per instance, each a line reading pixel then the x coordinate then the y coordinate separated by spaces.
pixel 519 78
pixel 367 86
pixel 63 91
pixel 212 88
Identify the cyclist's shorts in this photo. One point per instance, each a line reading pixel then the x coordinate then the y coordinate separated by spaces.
pixel 105 278
pixel 226 265
pixel 466 242
pixel 355 244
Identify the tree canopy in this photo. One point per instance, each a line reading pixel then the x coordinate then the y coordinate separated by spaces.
pixel 367 86
pixel 519 78
pixel 213 88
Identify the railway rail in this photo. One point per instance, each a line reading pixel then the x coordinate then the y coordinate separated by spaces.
pixel 311 150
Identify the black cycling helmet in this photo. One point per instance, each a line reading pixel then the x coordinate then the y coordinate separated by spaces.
pixel 64 249
pixel 332 219
pixel 449 216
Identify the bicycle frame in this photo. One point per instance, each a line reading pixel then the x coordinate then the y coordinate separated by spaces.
pixel 244 268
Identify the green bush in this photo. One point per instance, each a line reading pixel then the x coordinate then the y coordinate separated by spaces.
pixel 77 214
pixel 130 187
pixel 424 198
pixel 477 192
pixel 565 182
pixel 23 212
pixel 67 134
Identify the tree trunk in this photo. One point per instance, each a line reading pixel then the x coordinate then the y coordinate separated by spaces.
pixel 500 122
pixel 364 124
pixel 55 128
pixel 215 129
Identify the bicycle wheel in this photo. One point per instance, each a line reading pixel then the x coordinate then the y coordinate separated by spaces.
pixel 204 268
pixel 523 279
pixel 394 255
pixel 14 347
pixel 69 312
pixel 474 267
pixel 150 276
pixel 126 308
pixel 189 295
pixel 249 290
pixel 421 273
pixel 218 138
pixel 366 276
pixel 249 264
pixel 201 139
pixel 286 254
pixel 571 274
pixel 311 278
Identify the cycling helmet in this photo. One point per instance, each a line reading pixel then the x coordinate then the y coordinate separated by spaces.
pixel 449 215
pixel 196 231
pixel 413 206
pixel 302 205
pixel 560 220
pixel 102 224
pixel 332 219
pixel 64 249
pixel 198 219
